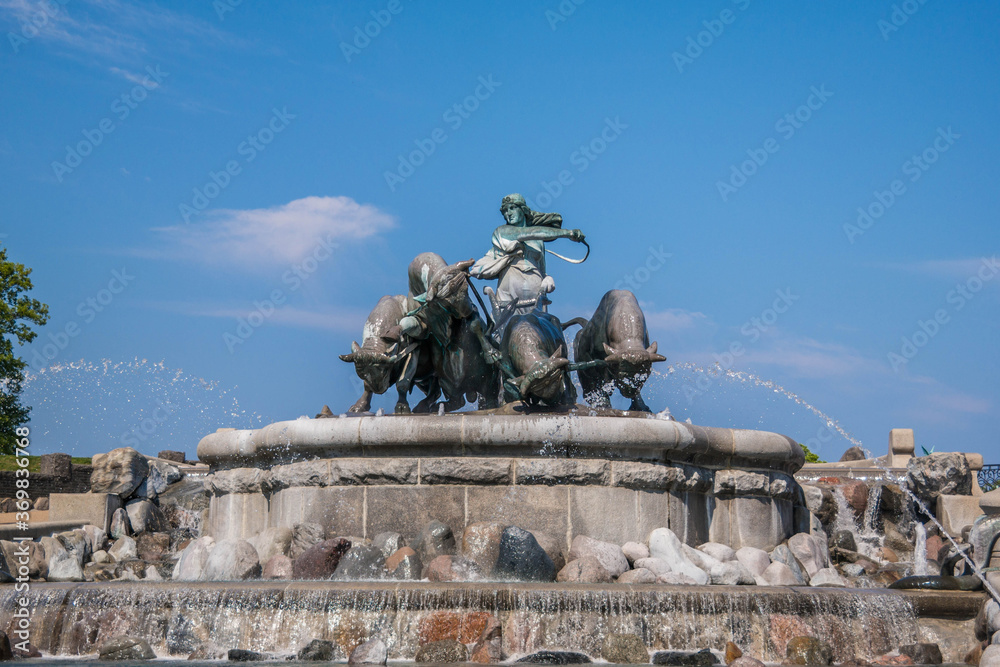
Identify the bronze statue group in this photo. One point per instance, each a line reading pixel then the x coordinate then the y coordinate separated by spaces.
pixel 436 339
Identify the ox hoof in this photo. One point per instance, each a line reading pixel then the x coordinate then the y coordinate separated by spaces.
pixel 402 409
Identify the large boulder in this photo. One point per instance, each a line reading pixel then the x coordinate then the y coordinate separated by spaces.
pixel 192 560
pixel 782 554
pixel 77 544
pixel 318 650
pixel 124 548
pixel 62 565
pixel 120 471
pixel 278 567
pixel 521 558
pixel 808 651
pixel 321 560
pixel 145 517
pixel 808 551
pixel 372 652
pixel 405 565
pixel 586 570
pixel 754 559
pixel 304 536
pixel 624 649
pixel 389 543
pixel 452 568
pixel 271 542
pixel 363 562
pixel 610 555
pixel 232 560
pixel 446 650
pixel 940 473
pixel 665 545
pixel 481 543
pixel 436 539
pixel 125 648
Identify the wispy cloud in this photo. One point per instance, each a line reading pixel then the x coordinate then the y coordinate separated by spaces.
pixel 958 269
pixel 675 319
pixel 279 235
pixel 331 318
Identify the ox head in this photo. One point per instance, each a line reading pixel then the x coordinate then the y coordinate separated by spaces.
pixel 450 289
pixel 631 367
pixel 544 381
pixel 373 367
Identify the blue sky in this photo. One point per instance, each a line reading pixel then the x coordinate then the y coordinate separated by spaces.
pixel 811 186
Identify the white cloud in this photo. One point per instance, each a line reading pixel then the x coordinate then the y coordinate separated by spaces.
pixel 283 234
pixel 959 269
pixel 805 357
pixel 675 319
pixel 336 319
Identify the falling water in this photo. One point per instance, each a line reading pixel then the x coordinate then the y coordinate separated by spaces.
pixel 920 550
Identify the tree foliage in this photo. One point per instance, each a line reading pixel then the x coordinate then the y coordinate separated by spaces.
pixel 18 314
pixel 810 456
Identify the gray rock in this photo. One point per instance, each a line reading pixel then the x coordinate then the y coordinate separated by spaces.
pixel 436 539
pixel 278 566
pixel 120 525
pixel 243 655
pixel 271 542
pixel 75 542
pixel 169 474
pixel 828 577
pixel 152 574
pixel 753 559
pixel 657 566
pixel 372 652
pixel 991 656
pixel 586 570
pixel 665 545
pixel 362 562
pixel 100 557
pixel 96 538
pixel 304 536
pixel 854 453
pixel 813 497
pixel 719 552
pixel 62 565
pixel 98 572
pixel 807 552
pixel 702 560
pixel 320 561
pixel 635 551
pixel 989 502
pixel 389 543
pixel 844 539
pixel 731 573
pixel 303 473
pixel 624 649
pixel 853 569
pixel 988 619
pixel 638 576
pixel 317 650
pixel 522 558
pixel 231 560
pixel 405 565
pixel 555 658
pixel 120 472
pixel 192 560
pixel 675 579
pixel 782 554
pixel 779 574
pixel 239 480
pixel 123 549
pixel 481 544
pixel 940 473
pixel 126 648
pixel 443 651
pixel 702 658
pixel 609 555
pixel 924 653
pixel 145 517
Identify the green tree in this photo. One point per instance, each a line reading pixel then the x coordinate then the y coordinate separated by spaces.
pixel 18 313
pixel 810 456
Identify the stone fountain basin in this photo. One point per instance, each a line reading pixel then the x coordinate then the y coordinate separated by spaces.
pixel 280 617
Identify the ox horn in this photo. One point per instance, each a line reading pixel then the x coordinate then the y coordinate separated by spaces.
pixel 349 358
pixel 610 355
pixel 653 356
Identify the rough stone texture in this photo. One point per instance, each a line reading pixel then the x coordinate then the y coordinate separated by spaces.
pixel 120 524
pixel 126 648
pixel 321 560
pixel 957 512
pixel 638 576
pixel 238 480
pixel 922 653
pixel 444 651
pixel 304 536
pixel 828 577
pixel 939 473
pixel 362 562
pixel 809 554
pixel 124 548
pixel 624 649
pixel 782 554
pixel 665 545
pixel 451 568
pixel 243 655
pixel 438 626
pixel 57 465
pixel 436 539
pixel 231 560
pixel 317 650
pixel 844 539
pixel 586 570
pixel 62 565
pixel 481 544
pixel 755 560
pixel 368 471
pixel 521 558
pixel 372 652
pixel 192 559
pixel 808 651
pixel 394 560
pixel 609 555
pixel 556 658
pixel 563 471
pixel 273 541
pixel 854 453
pixel 657 566
pixel 635 551
pixel 302 473
pixel 172 455
pixel 278 566
pixel 76 543
pixel 119 472
pixel 702 658
pixel 389 543
pixel 152 546
pixel 676 579
pixel 145 517
pixel 720 552
pixel 779 574
pixel 731 573
pixel 701 560
pixel 813 497
pixel 467 471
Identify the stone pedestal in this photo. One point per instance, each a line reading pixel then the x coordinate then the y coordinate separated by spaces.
pixel 901 447
pixel 91 508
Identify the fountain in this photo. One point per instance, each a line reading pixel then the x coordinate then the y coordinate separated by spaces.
pixel 531 524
